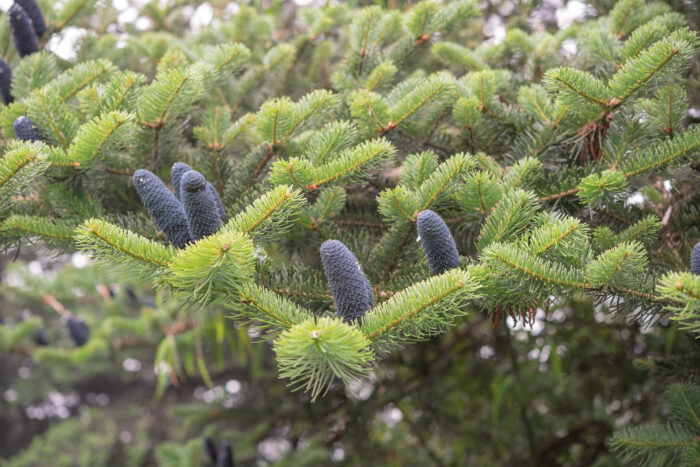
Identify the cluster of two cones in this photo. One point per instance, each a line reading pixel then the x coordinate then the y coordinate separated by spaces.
pixel 27 26
pixel 195 210
pixel 224 456
pixel 77 328
pixel 349 285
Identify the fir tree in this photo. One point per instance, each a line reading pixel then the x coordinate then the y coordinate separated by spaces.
pixel 351 135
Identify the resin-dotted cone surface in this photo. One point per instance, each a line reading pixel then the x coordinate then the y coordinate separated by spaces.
pixel 695 260
pixel 349 285
pixel 23 33
pixel 437 242
pixel 202 216
pixel 26 130
pixel 167 212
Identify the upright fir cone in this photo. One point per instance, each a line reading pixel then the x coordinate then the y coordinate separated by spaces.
pixel 349 285
pixel 210 449
pixel 5 82
pixel 179 169
pixel 225 457
pixel 202 217
pixel 79 330
pixel 165 209
pixel 695 260
pixel 40 338
pixel 34 13
pixel 26 130
pixel 23 33
pixel 437 242
pixel 217 201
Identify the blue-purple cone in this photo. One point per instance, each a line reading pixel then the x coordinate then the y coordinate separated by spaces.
pixel 349 285
pixel 210 449
pixel 40 338
pixel 695 260
pixel 79 330
pixel 34 13
pixel 200 208
pixel 179 169
pixel 437 242
pixel 23 33
pixel 217 201
pixel 26 130
pixel 165 209
pixel 6 82
pixel 225 457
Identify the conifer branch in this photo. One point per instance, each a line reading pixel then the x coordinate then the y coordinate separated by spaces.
pixel 422 310
pixel 122 247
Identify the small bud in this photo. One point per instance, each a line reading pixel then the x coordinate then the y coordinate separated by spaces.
pixel 200 207
pixel 40 338
pixel 26 130
pixel 349 285
pixel 179 169
pixel 79 330
pixel 34 13
pixel 5 82
pixel 437 242
pixel 225 458
pixel 165 209
pixel 695 260
pixel 23 33
pixel 210 449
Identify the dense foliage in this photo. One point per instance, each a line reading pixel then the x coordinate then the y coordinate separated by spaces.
pixel 253 192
